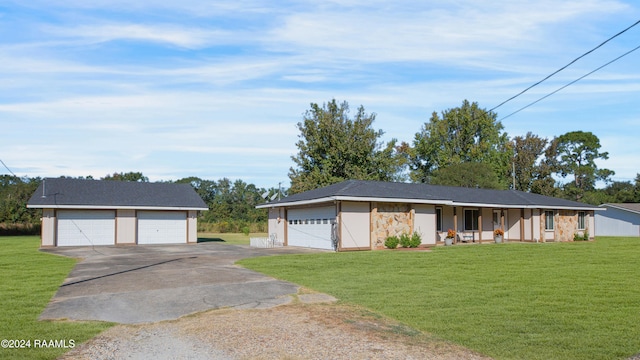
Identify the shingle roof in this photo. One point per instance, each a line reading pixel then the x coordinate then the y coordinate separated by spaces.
pixel 76 193
pixel 632 207
pixel 430 193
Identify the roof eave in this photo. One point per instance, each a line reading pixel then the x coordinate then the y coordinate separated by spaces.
pixel 115 207
pixel 619 208
pixel 419 201
pixel 352 198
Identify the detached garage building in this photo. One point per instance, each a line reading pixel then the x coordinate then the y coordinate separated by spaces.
pixel 94 212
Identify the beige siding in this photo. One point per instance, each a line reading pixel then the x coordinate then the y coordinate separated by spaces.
pixel 355 220
pixel 512 225
pixel 48 237
pixel 487 224
pixel 126 227
pixel 536 223
pixel 277 222
pixel 192 226
pixel 425 223
pixel 527 225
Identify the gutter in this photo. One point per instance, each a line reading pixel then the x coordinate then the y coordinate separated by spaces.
pixel 113 207
pixel 419 201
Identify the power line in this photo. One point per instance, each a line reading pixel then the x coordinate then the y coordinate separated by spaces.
pixel 6 167
pixel 566 66
pixel 573 82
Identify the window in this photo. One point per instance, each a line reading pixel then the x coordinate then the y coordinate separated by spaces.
pixel 471 219
pixel 438 219
pixel 548 223
pixel 581 220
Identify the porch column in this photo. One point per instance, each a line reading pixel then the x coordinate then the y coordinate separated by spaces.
pixel 455 223
pixel 480 226
pixel 521 225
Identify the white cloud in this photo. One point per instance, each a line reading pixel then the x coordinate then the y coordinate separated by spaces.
pixel 185 37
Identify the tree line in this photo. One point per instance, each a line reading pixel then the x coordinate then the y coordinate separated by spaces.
pixel 231 203
pixel 462 146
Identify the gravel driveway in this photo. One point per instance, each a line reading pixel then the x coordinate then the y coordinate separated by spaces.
pixel 294 331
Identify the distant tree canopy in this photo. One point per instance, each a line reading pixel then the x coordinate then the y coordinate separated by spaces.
pixel 129 176
pixel 466 134
pixel 334 147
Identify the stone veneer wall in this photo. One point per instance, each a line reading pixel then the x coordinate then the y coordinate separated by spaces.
pixel 390 219
pixel 565 225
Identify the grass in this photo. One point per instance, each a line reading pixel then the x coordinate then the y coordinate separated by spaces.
pixel 29 280
pixel 228 238
pixel 510 301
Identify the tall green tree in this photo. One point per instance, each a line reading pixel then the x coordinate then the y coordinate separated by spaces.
pixel 467 174
pixel 575 156
pixel 333 147
pixel 463 134
pixel 528 151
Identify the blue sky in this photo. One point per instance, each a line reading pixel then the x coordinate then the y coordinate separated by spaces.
pixel 214 89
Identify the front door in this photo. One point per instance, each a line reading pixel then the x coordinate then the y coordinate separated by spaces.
pixel 497 221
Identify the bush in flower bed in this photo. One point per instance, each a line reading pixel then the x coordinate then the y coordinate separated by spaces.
pixel 410 241
pixel 391 242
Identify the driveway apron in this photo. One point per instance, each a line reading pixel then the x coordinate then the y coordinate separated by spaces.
pixel 141 284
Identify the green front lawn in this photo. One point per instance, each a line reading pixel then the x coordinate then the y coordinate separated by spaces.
pixel 510 301
pixel 29 280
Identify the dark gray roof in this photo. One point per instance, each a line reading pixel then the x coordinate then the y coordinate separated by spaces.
pixel 75 193
pixel 431 193
pixel 631 207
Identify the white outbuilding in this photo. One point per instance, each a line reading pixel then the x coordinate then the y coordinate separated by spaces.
pixel 618 220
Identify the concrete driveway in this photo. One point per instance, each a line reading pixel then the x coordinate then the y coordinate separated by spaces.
pixel 140 284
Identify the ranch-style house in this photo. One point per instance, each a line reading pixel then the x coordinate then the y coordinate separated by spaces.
pixel 360 215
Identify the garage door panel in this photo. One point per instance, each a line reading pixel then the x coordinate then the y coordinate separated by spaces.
pixel 162 227
pixel 86 228
pixel 311 227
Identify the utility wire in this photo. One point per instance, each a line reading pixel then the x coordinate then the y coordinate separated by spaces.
pixel 573 82
pixel 564 67
pixel 6 167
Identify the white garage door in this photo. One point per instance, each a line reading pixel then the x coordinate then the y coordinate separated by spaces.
pixel 86 227
pixel 162 227
pixel 311 227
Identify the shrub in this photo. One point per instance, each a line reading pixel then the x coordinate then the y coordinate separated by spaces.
pixel 391 242
pixel 416 240
pixel 405 240
pixel 583 237
pixel 245 230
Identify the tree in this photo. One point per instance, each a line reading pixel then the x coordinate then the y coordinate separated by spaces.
pixel 463 134
pixel 528 150
pixel 14 194
pixel 130 176
pixel 333 147
pixel 468 174
pixel 576 155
